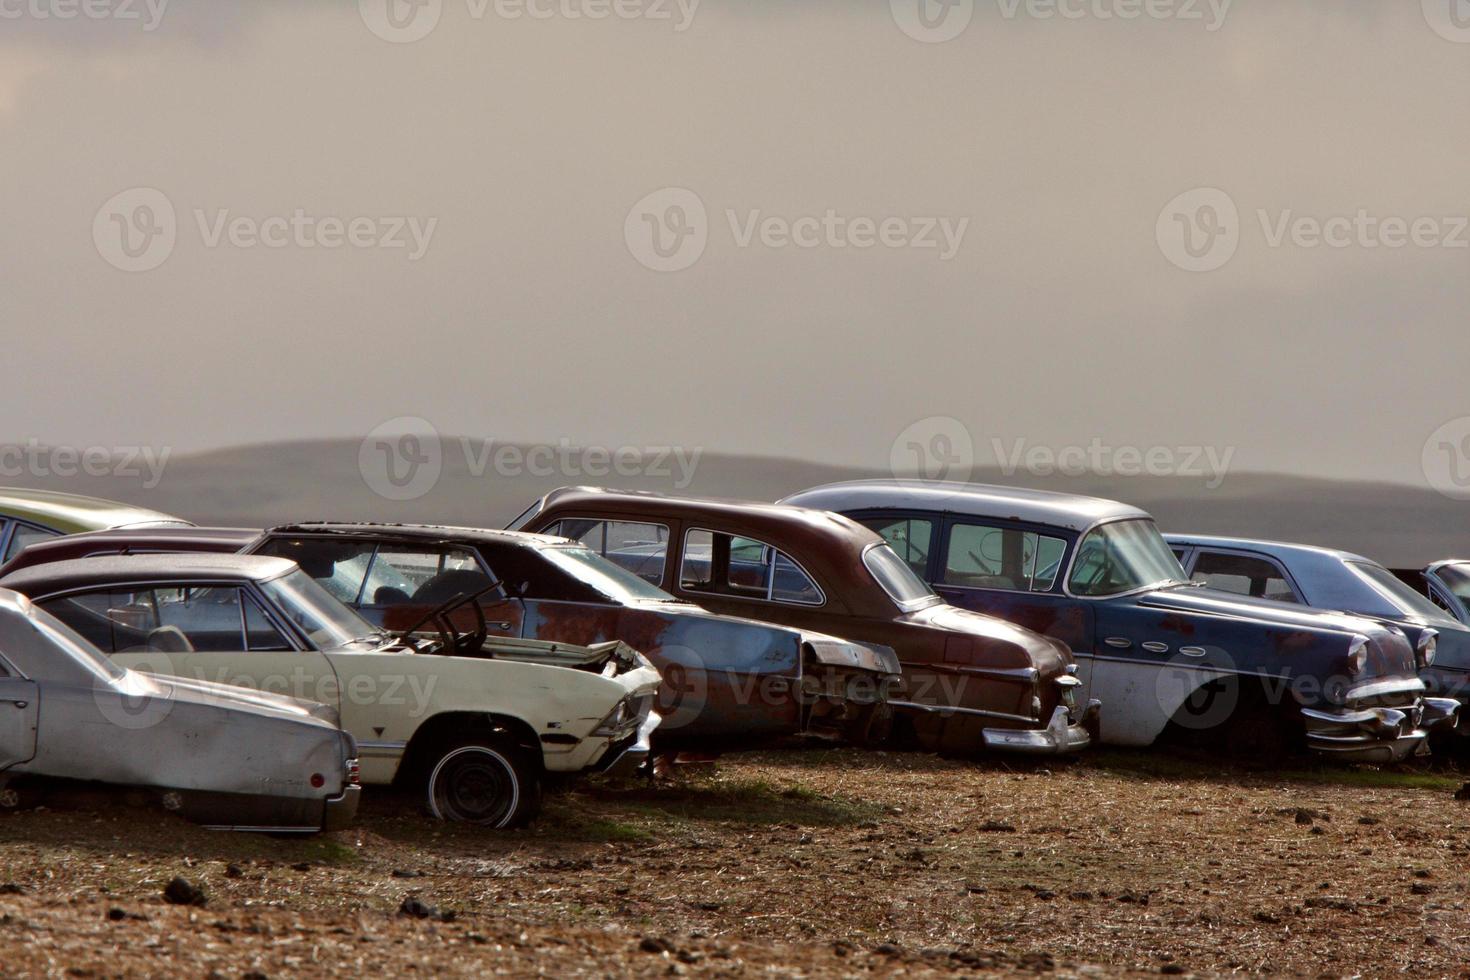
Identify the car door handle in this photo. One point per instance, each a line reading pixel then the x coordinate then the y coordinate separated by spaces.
pixel 1153 646
pixel 18 702
pixel 500 626
pixel 1192 651
pixel 1118 642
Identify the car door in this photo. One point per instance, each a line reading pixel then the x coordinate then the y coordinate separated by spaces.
pixel 19 711
pixel 222 633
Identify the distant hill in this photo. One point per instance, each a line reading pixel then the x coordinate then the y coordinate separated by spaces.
pixel 267 484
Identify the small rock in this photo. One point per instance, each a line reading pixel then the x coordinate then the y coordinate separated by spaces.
pixel 11 888
pixel 1172 969
pixel 1269 918
pixel 976 889
pixel 301 866
pixel 708 906
pixel 116 914
pixel 1368 821
pixel 182 892
pixel 652 944
pixel 997 827
pixel 1304 816
pixel 1422 873
pixel 404 873
pixel 234 871
pixel 1419 888
pixel 887 949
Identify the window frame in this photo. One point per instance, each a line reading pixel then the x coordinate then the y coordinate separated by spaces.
pixel 1063 560
pixel 1199 551
pixel 12 525
pixel 771 564
pixel 667 527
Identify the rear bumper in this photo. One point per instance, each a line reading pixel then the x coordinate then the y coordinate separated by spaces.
pixel 342 810
pixel 1379 734
pixel 624 758
pixel 1063 735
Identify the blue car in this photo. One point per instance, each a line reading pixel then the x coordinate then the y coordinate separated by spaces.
pixel 1169 660
pixel 1328 579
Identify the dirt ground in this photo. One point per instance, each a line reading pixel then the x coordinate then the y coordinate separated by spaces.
pixel 808 862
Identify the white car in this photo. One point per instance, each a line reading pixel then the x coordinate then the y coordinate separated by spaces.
pixel 223 756
pixel 474 732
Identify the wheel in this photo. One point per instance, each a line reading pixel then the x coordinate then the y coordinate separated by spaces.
pixel 872 726
pixel 484 782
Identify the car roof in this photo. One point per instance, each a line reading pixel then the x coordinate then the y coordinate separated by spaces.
pixel 131 539
pixel 69 512
pixel 418 532
pixel 40 580
pixel 1284 550
pixel 1067 510
pixel 751 515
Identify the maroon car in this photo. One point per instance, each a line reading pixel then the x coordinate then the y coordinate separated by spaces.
pixel 972 680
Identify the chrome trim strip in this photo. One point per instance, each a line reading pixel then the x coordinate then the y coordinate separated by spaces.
pixel 974 712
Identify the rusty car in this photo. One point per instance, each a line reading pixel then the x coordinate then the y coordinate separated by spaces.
pixel 729 682
pixel 1169 658
pixel 472 734
pixel 972 682
pixel 221 756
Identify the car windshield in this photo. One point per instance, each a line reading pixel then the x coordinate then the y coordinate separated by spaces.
pixel 318 613
pixel 1124 556
pixel 1405 599
pixel 606 577
pixel 897 578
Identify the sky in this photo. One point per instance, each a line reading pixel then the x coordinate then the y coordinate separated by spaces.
pixel 820 230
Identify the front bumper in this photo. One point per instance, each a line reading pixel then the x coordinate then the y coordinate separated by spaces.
pixel 623 758
pixel 1063 735
pixel 342 810
pixel 1378 734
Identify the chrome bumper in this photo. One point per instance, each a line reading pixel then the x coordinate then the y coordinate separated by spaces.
pixel 342 810
pixel 624 758
pixel 1062 736
pixel 1378 735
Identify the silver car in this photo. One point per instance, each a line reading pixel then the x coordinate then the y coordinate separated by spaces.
pixel 222 756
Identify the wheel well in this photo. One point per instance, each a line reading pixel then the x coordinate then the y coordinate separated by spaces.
pixel 443 730
pixel 1224 708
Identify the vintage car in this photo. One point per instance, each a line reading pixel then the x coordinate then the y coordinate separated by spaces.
pixel 27 516
pixel 728 683
pixel 1168 658
pixel 1329 579
pixel 473 733
pixel 971 681
pixel 223 756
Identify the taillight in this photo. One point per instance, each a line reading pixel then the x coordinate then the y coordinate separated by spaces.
pixel 354 773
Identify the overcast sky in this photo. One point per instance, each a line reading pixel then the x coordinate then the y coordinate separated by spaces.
pixel 1035 154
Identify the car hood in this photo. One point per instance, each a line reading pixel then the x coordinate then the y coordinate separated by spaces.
pixel 1049 656
pixel 1212 602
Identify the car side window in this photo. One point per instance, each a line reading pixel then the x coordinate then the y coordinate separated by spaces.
pixel 639 547
pixel 910 538
pixel 1243 575
pixel 340 567
pixel 981 556
pixel 404 574
pixel 727 564
pixel 25 534
pixel 261 635
pixel 166 620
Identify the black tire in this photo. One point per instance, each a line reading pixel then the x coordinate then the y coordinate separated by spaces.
pixel 871 727
pixel 487 782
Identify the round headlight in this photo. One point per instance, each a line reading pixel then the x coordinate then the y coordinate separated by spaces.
pixel 1357 657
pixel 1428 645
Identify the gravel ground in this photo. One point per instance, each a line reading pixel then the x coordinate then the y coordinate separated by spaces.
pixel 800 863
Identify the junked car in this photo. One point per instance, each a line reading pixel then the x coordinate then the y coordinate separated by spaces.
pixel 972 681
pixel 472 734
pixel 28 516
pixel 1331 579
pixel 222 756
pixel 729 682
pixel 1446 583
pixel 1170 659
